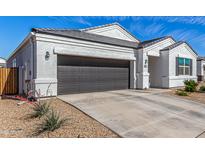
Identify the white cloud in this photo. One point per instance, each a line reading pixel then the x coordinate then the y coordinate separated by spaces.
pixel 199 40
pixel 83 21
pixel 191 36
pixel 198 20
pixel 183 34
pixel 152 29
pixel 67 20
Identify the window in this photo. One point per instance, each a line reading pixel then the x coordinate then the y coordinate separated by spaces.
pixel 14 63
pixel 184 66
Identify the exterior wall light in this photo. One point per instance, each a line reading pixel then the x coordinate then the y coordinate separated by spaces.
pixel 47 55
pixel 146 63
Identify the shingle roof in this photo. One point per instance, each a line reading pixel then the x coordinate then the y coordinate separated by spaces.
pixel 153 41
pixel 77 34
pixel 106 25
pixel 176 45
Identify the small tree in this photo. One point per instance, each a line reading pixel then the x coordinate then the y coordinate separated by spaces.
pixel 190 85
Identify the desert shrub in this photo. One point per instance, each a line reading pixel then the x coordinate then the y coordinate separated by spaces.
pixel 51 122
pixel 190 85
pixel 39 110
pixel 202 89
pixel 181 93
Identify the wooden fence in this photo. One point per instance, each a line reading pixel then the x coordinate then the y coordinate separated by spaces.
pixel 8 81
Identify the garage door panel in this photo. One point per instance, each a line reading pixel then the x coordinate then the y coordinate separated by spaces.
pixel 77 79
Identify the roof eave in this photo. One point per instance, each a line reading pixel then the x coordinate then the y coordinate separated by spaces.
pixel 191 48
pixel 162 39
pixel 181 44
pixel 3 58
pixel 55 34
pixel 21 44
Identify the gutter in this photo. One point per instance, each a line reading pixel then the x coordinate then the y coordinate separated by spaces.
pixel 20 45
pixel 131 45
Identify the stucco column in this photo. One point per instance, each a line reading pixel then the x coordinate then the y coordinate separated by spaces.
pixel 133 74
pixel 142 70
pixel 46 77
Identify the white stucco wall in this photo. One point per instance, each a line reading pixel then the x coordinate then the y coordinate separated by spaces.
pixel 154 50
pixel 162 65
pixel 46 78
pixel 153 74
pixel 200 70
pixel 185 52
pixel 200 67
pixel 2 62
pixel 24 61
pixel 142 74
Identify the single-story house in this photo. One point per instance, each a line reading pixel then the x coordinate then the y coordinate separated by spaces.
pixel 107 57
pixel 2 62
pixel 201 68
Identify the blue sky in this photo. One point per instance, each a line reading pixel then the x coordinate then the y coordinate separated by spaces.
pixel 191 29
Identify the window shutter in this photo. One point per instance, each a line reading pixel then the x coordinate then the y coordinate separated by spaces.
pixel 177 66
pixel 191 67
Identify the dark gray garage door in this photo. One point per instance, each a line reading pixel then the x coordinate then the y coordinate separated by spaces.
pixel 77 75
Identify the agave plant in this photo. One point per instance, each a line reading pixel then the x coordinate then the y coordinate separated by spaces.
pixel 39 110
pixel 51 122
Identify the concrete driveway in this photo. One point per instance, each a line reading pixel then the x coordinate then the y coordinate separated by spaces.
pixel 133 113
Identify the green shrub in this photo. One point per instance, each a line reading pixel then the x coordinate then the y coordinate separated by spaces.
pixel 181 93
pixel 190 85
pixel 50 123
pixel 202 89
pixel 39 110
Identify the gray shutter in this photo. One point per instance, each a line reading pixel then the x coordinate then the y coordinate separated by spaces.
pixel 191 67
pixel 177 66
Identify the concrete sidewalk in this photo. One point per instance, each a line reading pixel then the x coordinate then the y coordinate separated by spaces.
pixel 132 113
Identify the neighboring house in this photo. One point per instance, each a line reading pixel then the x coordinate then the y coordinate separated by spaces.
pixel 201 68
pixel 2 62
pixel 108 57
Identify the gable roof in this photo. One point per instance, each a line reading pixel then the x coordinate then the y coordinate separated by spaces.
pixel 78 34
pixel 153 41
pixel 3 58
pixel 176 45
pixel 111 24
pixel 200 58
pixel 172 46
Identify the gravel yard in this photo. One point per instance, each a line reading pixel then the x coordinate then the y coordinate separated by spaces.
pixel 15 122
pixel 195 96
